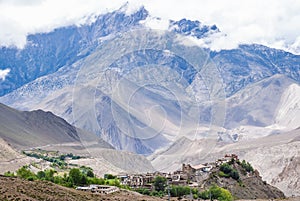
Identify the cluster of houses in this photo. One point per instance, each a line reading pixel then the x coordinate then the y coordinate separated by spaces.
pixel 102 189
pixel 189 175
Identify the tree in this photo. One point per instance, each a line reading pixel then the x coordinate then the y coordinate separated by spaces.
pixel 160 183
pixel 75 176
pixel 247 166
pixel 83 179
pixel 41 174
pixel 227 171
pixel 95 180
pixel 235 175
pixel 49 175
pixel 25 173
pixel 109 176
pixel 218 193
pixel 226 168
pixel 90 173
pixel 177 191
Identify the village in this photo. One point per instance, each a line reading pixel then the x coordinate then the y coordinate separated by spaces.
pixel 189 175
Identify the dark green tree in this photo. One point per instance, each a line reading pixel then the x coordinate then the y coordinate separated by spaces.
pixel 90 173
pixel 235 175
pixel 109 176
pixel 49 175
pixel 160 183
pixel 226 168
pixel 25 173
pixel 41 174
pixel 75 176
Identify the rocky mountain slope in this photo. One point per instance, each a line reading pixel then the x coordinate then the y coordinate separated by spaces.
pixel 266 107
pixel 21 130
pixel 115 82
pixel 11 159
pixel 245 184
pixel 252 63
pixel 45 53
pixel 273 156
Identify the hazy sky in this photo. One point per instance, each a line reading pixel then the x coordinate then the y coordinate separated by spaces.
pixel 275 23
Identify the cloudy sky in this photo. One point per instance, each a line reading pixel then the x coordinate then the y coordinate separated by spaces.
pixel 270 22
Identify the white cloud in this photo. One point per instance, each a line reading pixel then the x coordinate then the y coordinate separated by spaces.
pixel 271 22
pixel 20 18
pixel 4 73
pixel 156 23
pixel 252 21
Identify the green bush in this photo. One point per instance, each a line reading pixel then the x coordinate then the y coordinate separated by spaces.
pixel 222 174
pixel 157 193
pixel 234 174
pixel 90 173
pixel 109 176
pixel 247 166
pixel 160 183
pixel 216 192
pixel 62 157
pixel 177 191
pixel 76 157
pixel 49 175
pixel 95 180
pixel 143 191
pixel 226 168
pixel 31 178
pixel 25 173
pixel 76 177
pixel 227 171
pixel 9 174
pixel 41 174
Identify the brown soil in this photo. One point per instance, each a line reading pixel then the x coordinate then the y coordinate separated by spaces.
pixel 12 188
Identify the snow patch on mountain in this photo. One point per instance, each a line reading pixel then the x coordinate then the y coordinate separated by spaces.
pixel 4 73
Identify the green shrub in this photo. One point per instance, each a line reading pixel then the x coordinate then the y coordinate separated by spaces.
pixel 31 178
pixel 222 174
pixel 90 173
pixel 160 183
pixel 49 175
pixel 76 177
pixel 247 166
pixel 234 174
pixel 216 192
pixel 95 180
pixel 227 171
pixel 41 174
pixel 226 168
pixel 9 174
pixel 143 191
pixel 25 173
pixel 109 176
pixel 177 191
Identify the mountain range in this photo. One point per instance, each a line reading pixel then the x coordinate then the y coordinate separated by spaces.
pixel 156 92
pixel 22 130
pixel 237 75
